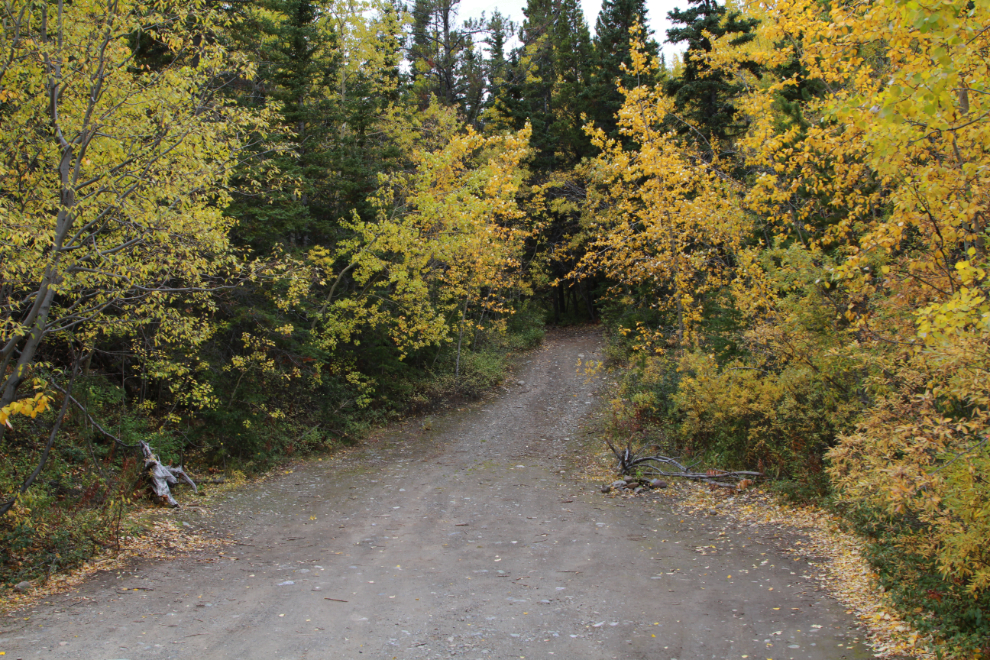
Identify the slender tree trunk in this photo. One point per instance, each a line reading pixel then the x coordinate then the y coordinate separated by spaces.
pixel 28 351
pixel 460 338
pixel 677 283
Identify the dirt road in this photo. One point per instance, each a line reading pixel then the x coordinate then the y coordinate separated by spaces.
pixel 462 537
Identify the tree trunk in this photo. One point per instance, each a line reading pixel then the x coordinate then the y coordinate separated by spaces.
pixel 460 338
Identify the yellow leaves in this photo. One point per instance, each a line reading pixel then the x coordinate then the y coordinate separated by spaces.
pixel 966 310
pixel 663 214
pixel 910 457
pixel 132 223
pixel 29 407
pixel 968 274
pixel 447 235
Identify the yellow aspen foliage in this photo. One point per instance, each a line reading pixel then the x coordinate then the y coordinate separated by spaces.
pixel 447 237
pixel 114 175
pixel 889 170
pixel 29 407
pixel 661 213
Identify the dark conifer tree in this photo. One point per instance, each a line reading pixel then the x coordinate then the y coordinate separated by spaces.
pixel 548 75
pixel 299 62
pixel 357 151
pixel 611 52
pixel 703 96
pixel 546 85
pixel 443 58
pixel 497 70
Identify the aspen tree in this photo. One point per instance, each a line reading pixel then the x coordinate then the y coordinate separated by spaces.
pixel 114 177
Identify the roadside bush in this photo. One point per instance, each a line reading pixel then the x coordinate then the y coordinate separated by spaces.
pixel 734 416
pixel 933 603
pixel 480 371
pixel 74 507
pixel 526 328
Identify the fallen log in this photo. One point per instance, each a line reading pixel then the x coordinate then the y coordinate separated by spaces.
pixel 646 468
pixel 162 477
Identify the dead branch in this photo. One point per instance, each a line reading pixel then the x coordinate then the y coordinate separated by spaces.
pixel 654 467
pixel 161 477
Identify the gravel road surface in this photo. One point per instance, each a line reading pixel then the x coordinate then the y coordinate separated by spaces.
pixel 463 536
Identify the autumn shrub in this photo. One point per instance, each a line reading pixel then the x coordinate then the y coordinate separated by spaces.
pixel 479 372
pixel 912 475
pixel 45 536
pixel 733 415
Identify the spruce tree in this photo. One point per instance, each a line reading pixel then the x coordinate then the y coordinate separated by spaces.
pixel 499 30
pixel 704 96
pixel 300 59
pixel 548 75
pixel 358 151
pixel 443 60
pixel 573 50
pixel 546 83
pixel 611 52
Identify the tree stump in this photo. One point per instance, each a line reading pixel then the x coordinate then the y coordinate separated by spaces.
pixel 163 477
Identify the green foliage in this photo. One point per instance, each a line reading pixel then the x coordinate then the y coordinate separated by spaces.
pixel 525 329
pixel 613 61
pixel 547 83
pixel 480 371
pixel 73 509
pixel 300 61
pixel 931 602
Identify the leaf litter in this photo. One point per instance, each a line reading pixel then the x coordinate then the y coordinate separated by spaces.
pixel 835 557
pixel 160 536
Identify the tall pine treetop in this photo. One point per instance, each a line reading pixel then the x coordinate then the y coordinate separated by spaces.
pixel 611 47
pixel 547 76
